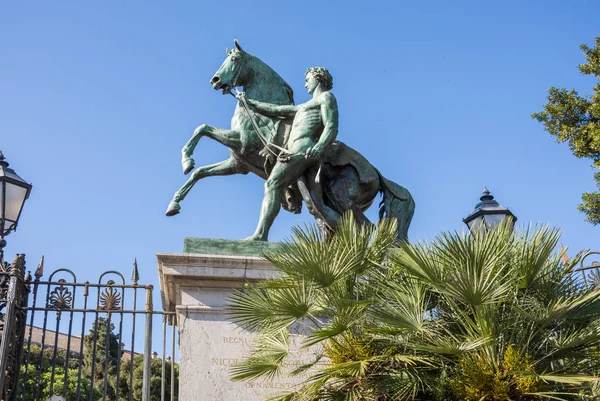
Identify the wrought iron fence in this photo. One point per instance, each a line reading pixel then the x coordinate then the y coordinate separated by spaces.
pixel 590 273
pixel 64 338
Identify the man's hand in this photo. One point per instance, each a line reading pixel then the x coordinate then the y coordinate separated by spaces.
pixel 267 154
pixel 241 96
pixel 314 152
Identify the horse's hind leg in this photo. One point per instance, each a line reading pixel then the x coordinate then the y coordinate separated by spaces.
pixel 347 193
pixel 226 167
pixel 229 138
pixel 329 216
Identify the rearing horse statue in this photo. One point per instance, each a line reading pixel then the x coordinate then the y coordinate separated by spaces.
pixel 347 181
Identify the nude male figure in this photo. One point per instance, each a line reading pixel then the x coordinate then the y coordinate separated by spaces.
pixel 314 128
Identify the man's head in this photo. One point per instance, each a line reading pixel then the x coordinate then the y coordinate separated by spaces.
pixel 318 75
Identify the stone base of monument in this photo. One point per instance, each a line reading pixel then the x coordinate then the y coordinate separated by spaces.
pixel 196 284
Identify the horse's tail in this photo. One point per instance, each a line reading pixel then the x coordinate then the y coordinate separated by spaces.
pixel 398 203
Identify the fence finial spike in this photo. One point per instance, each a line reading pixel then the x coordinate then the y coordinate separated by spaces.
pixel 39 272
pixel 18 265
pixel 135 275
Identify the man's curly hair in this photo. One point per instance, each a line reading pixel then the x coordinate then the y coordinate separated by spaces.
pixel 322 75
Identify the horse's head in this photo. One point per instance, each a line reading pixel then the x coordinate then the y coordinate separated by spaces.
pixel 231 73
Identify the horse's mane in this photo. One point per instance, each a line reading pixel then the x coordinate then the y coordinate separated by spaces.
pixel 273 75
pixel 289 91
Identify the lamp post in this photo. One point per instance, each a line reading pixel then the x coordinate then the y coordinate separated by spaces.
pixel 488 213
pixel 14 191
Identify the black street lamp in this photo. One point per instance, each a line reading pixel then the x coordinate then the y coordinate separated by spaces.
pixel 14 191
pixel 488 213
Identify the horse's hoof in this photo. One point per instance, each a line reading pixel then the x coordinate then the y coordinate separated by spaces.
pixel 173 208
pixel 188 165
pixel 255 238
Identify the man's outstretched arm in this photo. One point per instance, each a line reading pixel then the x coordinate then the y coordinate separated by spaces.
pixel 274 110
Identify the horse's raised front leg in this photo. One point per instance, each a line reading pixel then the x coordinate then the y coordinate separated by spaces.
pixel 226 167
pixel 229 138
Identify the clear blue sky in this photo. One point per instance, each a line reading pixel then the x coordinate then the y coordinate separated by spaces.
pixel 97 99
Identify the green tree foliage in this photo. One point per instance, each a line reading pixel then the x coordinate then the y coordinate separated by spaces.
pixel 155 378
pixel 101 349
pixel 575 119
pixel 73 387
pixel 37 378
pixel 489 317
pixel 100 357
pixel 36 375
pixel 31 356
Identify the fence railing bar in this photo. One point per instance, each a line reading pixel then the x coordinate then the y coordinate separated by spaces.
pixel 85 302
pixel 98 285
pixel 172 358
pixel 147 346
pixel 15 369
pixel 39 366
pixel 119 353
pixel 132 346
pixel 164 357
pixel 106 356
pixel 62 358
pixel 94 346
pixel 70 330
pixel 28 355
pixel 99 310
pixel 8 328
pixel 54 353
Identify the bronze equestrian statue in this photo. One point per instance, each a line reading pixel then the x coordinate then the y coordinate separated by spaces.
pixel 294 149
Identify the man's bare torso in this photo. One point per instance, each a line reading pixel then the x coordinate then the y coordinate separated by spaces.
pixel 307 126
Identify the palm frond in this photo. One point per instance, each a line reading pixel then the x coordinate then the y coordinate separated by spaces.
pixel 552 395
pixel 569 341
pixel 405 360
pixel 348 369
pixel 402 306
pixel 566 307
pixel 404 321
pixel 346 314
pixel 567 379
pixel 535 248
pixel 251 309
pixel 450 345
pixel 403 385
pixel 274 306
pixel 266 359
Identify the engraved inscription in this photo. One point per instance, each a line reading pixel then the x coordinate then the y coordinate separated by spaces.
pixel 225 361
pixel 237 340
pixel 271 385
pixel 235 346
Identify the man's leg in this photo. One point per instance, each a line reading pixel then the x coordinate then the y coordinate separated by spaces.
pixel 283 174
pixel 316 190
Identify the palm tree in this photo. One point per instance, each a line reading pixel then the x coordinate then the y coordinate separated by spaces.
pixel 491 316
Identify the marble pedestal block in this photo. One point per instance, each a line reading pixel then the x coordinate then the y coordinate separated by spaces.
pixel 196 285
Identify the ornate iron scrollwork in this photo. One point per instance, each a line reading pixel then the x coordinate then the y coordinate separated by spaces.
pixel 60 299
pixel 5 269
pixel 11 344
pixel 110 299
pixel 594 276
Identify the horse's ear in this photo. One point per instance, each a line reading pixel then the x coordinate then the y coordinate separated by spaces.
pixel 227 51
pixel 237 45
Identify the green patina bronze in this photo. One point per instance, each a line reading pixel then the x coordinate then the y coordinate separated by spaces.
pixel 213 246
pixel 294 148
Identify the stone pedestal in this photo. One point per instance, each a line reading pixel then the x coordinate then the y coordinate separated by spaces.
pixel 196 285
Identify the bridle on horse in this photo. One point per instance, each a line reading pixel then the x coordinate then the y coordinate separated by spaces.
pixel 268 145
pixel 262 138
pixel 242 100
